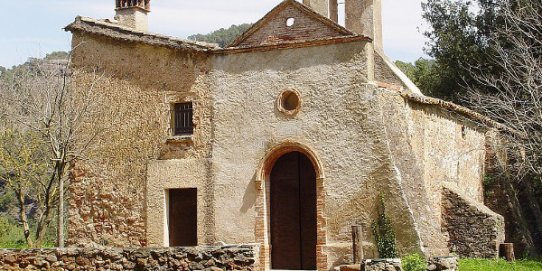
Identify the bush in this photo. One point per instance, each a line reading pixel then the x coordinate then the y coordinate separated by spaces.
pixel 414 262
pixel 384 233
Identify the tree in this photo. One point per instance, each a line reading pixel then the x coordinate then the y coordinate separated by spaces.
pixel 425 73
pixel 22 169
pixel 458 40
pixel 222 37
pixel 513 97
pixel 42 102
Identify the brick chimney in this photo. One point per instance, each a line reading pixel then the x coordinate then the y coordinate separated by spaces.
pixel 133 13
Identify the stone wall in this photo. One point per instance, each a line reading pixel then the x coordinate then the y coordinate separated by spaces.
pixel 474 230
pixel 381 265
pixel 433 264
pixel 107 192
pixel 201 258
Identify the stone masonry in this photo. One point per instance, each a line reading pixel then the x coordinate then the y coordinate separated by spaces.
pixel 381 265
pixel 474 230
pixel 202 258
pixel 363 125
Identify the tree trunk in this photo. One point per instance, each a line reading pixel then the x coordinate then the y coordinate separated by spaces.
pixel 60 228
pixel 24 220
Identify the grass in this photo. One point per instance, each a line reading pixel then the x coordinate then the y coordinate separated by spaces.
pixel 499 265
pixel 12 235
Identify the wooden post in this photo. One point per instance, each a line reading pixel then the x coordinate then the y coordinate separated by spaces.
pixel 506 250
pixel 357 248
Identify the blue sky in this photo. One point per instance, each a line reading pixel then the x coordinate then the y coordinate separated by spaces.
pixel 33 28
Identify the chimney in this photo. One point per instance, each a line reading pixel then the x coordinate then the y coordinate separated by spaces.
pixel 133 13
pixel 365 17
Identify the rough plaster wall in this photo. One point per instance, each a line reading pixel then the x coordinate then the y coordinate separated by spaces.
pixel 174 174
pixel 384 74
pixel 107 204
pixel 431 146
pixel 340 120
pixel 276 30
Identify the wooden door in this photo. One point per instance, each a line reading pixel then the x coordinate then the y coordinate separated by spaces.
pixel 293 213
pixel 183 217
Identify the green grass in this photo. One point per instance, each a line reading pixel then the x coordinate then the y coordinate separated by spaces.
pixel 12 235
pixel 498 265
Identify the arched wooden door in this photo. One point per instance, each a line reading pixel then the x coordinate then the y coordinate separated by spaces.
pixel 293 213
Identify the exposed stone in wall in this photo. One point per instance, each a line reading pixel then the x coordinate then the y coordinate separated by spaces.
pixel 474 230
pixel 442 264
pixel 200 258
pixel 107 192
pixel 381 265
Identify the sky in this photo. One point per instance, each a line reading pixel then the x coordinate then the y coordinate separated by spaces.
pixel 33 28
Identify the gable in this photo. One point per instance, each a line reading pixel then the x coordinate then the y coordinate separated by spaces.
pixel 290 21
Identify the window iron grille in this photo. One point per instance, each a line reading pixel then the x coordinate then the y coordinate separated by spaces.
pixel 183 119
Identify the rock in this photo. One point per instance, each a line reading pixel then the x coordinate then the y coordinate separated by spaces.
pixel 51 258
pixel 10 259
pixel 82 261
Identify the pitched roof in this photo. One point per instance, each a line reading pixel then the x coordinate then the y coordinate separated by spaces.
pixel 273 29
pixel 120 32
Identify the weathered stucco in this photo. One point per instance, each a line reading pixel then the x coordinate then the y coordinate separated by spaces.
pixel 363 140
pixel 108 198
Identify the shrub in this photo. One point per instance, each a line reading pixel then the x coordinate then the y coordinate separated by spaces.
pixel 414 262
pixel 384 233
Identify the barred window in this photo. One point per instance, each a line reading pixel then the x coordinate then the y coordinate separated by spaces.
pixel 182 119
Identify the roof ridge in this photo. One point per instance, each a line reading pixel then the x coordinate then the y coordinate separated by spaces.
pixel 315 15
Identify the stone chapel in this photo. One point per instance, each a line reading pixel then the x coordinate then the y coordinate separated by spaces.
pixel 285 139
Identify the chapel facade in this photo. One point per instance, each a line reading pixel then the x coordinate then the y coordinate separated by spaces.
pixel 286 138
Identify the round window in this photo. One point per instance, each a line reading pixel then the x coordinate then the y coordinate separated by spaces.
pixel 290 22
pixel 289 102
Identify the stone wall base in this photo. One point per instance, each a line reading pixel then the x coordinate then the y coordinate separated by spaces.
pixel 433 264
pixel 381 265
pixel 197 258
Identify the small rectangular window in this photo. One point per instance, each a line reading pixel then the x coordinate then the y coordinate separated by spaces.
pixel 182 119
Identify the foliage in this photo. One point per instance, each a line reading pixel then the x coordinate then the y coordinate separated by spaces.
pixel 498 265
pixel 222 37
pixel 459 40
pixel 425 74
pixel 414 262
pixel 11 236
pixel 42 113
pixel 24 170
pixel 384 234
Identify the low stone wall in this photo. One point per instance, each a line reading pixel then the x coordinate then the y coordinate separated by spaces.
pixel 474 230
pixel 381 265
pixel 433 264
pixel 199 258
